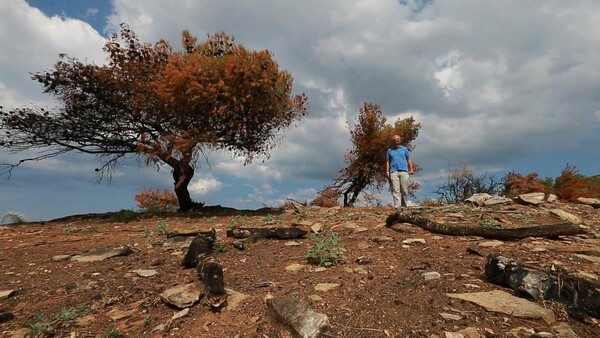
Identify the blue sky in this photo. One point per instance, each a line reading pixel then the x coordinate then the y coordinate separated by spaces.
pixel 504 86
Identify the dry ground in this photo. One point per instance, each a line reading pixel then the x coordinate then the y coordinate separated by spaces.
pixel 386 298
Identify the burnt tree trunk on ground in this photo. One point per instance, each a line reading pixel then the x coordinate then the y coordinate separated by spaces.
pixel 199 255
pixel 247 236
pixel 580 296
pixel 276 233
pixel 552 230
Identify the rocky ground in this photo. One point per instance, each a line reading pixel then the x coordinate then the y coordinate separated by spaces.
pixel 399 281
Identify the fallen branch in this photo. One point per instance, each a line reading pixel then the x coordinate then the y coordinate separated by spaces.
pixel 277 233
pixel 551 230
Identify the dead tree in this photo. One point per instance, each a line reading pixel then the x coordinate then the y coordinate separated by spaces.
pixel 551 230
pixel 247 236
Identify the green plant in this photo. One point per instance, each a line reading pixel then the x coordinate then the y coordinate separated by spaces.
pixel 220 247
pixel 146 231
pixel 326 250
pixel 68 228
pixel 237 221
pixel 126 215
pixel 65 317
pixel 14 218
pixel 113 332
pixel 488 222
pixel 37 326
pixel 161 227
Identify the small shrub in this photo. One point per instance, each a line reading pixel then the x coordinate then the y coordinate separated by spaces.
pixel 326 250
pixel 13 218
pixel 236 222
pixel 570 185
pixel 68 228
pixel 161 227
pixel 126 215
pixel 113 332
pixel 156 200
pixel 40 326
pixel 146 231
pixel 516 184
pixel 328 197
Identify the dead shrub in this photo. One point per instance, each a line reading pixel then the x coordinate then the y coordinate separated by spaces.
pixel 570 185
pixel 156 200
pixel 328 197
pixel 516 184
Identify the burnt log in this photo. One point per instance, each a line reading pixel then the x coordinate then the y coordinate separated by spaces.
pixel 172 234
pixel 276 233
pixel 247 236
pixel 551 230
pixel 579 295
pixel 210 271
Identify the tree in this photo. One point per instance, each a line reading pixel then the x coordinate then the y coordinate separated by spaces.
pixel 159 106
pixel 365 162
pixel 462 183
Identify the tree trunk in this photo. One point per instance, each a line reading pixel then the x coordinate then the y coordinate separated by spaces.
pixel 552 230
pixel 182 176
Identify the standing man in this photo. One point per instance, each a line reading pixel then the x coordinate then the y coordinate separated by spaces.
pixel 398 167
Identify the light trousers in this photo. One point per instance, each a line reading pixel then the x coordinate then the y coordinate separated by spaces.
pixel 399 187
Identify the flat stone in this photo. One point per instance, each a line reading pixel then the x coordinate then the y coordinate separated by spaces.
pixel 360 229
pixel 181 314
pixel 533 198
pixel 479 199
pixel 295 267
pixel 298 317
pixel 182 296
pixel 145 273
pixel 234 299
pixel 450 316
pixel 594 202
pixel 102 254
pixel 61 258
pixel 5 294
pixel 565 216
pixel 431 275
pixel 503 302
pixel 292 243
pixel 563 330
pixel 495 200
pixel 324 287
pixel 413 240
pixel 317 227
pixel 491 244
pixel 593 259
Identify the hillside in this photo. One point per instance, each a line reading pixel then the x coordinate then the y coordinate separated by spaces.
pixel 381 290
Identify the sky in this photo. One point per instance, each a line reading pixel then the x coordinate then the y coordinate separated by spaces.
pixel 499 85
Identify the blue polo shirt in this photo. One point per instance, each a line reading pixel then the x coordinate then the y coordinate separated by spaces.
pixel 398 158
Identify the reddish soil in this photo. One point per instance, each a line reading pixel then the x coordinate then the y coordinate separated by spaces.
pixel 386 298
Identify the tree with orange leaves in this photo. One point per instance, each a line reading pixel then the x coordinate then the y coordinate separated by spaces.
pixel 159 106
pixel 365 162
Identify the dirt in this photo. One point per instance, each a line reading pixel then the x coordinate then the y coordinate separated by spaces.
pixel 381 292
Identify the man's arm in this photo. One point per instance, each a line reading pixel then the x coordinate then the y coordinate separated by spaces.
pixel 387 167
pixel 411 168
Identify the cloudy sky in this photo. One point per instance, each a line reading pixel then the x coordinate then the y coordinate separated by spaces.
pixel 502 85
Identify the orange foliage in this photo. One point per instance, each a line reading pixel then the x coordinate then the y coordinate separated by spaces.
pixel 156 200
pixel 328 197
pixel 570 185
pixel 516 184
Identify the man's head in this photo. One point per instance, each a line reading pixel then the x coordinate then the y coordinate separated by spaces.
pixel 396 140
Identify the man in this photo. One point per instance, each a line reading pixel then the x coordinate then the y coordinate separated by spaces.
pixel 398 167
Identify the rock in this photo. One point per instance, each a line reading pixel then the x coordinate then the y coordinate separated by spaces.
pixel 594 202
pixel 565 216
pixel 182 296
pixel 450 316
pixel 102 254
pixel 593 259
pixel 491 244
pixel 5 315
pixel 61 258
pixel 479 199
pixel 181 314
pixel 533 198
pixel 295 267
pixel 317 227
pixel 292 243
pixel 503 302
pixel 145 273
pixel 298 317
pixel 6 294
pixel 563 330
pixel 234 299
pixel 382 239
pixel 360 229
pixel 413 240
pixel 431 275
pixel 324 287
pixel 495 200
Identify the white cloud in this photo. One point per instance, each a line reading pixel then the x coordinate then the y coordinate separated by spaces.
pixel 204 186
